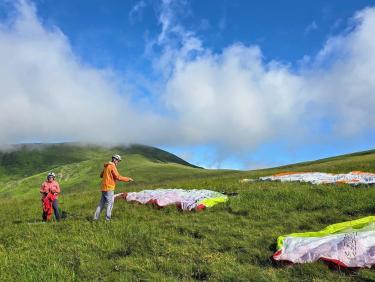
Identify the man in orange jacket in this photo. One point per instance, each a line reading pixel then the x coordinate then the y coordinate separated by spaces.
pixel 110 175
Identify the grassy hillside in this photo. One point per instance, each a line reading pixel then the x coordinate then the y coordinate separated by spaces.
pixel 364 161
pixel 28 159
pixel 230 242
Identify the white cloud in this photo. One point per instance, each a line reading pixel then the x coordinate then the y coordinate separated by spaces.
pixel 343 76
pixel 311 27
pixel 233 99
pixel 136 12
pixel 47 94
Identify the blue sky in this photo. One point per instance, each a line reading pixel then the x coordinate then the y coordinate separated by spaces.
pixel 230 84
pixel 106 33
pixel 286 30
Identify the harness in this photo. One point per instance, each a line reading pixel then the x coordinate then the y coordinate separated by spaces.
pixel 47 204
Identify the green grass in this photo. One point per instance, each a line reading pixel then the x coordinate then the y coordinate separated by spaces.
pixel 229 242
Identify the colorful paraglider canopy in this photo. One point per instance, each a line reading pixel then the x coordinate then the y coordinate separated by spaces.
pixel 348 244
pixel 183 199
pixel 353 178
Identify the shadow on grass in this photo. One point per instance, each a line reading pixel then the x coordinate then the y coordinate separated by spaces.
pixel 351 271
pixel 237 212
pixel 120 253
pixel 201 273
pixel 192 233
pixel 64 215
pixel 361 212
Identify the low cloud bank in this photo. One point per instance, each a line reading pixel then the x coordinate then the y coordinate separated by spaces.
pixel 49 95
pixel 234 100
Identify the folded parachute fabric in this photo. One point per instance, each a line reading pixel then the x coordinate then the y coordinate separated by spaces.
pixel 353 178
pixel 184 199
pixel 348 244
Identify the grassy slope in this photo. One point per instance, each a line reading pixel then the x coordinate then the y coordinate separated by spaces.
pixel 230 242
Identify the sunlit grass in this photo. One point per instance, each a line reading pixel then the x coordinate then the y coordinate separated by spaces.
pixel 229 242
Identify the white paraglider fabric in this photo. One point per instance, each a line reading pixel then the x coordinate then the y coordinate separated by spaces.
pixel 350 248
pixel 354 177
pixel 187 199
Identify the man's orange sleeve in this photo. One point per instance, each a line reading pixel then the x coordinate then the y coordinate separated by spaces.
pixel 117 176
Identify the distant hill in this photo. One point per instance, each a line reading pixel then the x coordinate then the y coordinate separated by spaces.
pixel 28 159
pixel 153 154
